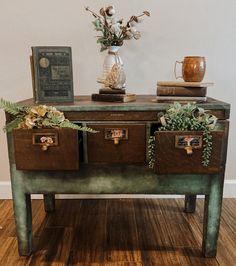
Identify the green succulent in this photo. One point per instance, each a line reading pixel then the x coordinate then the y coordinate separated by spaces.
pixel 188 117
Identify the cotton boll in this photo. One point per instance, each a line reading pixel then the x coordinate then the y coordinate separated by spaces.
pixel 132 23
pixel 137 35
pixel 129 34
pixel 115 29
pixel 139 19
pixel 133 30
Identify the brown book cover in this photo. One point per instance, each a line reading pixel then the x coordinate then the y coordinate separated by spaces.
pixel 52 76
pixel 32 75
pixel 181 91
pixel 111 91
pixel 123 98
pixel 184 84
pixel 181 98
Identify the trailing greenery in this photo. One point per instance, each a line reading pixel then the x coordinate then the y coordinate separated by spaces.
pixel 189 117
pixel 151 151
pixel 40 116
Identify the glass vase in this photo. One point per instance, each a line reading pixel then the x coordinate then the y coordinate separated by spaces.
pixel 113 67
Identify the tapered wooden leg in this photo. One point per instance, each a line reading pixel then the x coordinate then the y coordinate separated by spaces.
pixel 212 212
pixel 23 217
pixel 190 203
pixel 49 202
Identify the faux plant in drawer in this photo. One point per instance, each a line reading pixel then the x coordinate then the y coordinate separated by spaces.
pixel 186 142
pixel 43 138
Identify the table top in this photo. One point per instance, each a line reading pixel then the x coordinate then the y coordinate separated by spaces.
pixel 142 103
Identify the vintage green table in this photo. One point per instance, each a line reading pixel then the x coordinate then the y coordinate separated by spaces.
pixel 114 161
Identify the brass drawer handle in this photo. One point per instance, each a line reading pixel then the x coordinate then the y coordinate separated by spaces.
pixel 116 134
pixel 188 142
pixel 45 140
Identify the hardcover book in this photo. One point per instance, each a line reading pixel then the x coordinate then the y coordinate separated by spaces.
pixel 181 91
pixel 123 98
pixel 181 98
pixel 52 75
pixel 184 84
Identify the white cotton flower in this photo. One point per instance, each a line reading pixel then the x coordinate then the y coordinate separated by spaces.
pixel 140 19
pixel 132 23
pixel 115 29
pixel 133 30
pixel 129 34
pixel 137 35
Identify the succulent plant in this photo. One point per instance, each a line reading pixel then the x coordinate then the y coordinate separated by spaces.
pixel 188 117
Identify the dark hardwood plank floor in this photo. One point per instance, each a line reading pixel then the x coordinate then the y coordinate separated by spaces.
pixel 118 232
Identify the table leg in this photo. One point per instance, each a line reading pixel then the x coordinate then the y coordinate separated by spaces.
pixel 212 212
pixel 23 218
pixel 49 202
pixel 190 203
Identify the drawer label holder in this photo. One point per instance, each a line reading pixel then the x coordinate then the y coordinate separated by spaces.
pixel 45 140
pixel 116 134
pixel 188 142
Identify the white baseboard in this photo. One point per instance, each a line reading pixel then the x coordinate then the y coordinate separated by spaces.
pixel 5 193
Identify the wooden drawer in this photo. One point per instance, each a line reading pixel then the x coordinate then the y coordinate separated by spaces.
pixel 171 158
pixel 31 154
pixel 130 149
pixel 112 116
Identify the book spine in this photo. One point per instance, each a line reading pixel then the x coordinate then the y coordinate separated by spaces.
pixel 108 97
pixel 33 76
pixel 181 91
pixel 114 97
pixel 181 98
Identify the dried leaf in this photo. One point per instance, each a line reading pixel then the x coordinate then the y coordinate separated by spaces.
pixel 135 18
pixel 147 13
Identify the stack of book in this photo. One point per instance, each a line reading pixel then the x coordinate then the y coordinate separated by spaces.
pixel 182 91
pixel 113 95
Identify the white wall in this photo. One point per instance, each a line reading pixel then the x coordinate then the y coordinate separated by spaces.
pixel 175 29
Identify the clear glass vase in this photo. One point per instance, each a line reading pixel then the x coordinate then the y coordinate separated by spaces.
pixel 113 67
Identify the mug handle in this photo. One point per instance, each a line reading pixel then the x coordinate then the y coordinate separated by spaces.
pixel 177 62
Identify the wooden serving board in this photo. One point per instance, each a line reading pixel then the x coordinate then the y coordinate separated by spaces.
pixel 184 84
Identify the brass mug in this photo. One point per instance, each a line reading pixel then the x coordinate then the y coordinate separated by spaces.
pixel 193 68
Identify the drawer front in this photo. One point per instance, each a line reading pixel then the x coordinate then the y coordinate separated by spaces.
pixel 123 115
pixel 173 157
pixel 112 116
pixel 117 143
pixel 46 149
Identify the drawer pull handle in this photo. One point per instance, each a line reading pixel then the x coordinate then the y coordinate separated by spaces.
pixel 116 134
pixel 188 142
pixel 116 141
pixel 189 150
pixel 45 140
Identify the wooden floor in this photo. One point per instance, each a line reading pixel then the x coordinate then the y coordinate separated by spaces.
pixel 118 232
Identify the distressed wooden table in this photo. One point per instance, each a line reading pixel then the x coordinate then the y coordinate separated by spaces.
pixel 121 168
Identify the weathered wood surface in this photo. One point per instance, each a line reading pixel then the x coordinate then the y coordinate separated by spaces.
pixel 118 232
pixel 173 160
pixel 83 106
pixel 63 156
pixel 130 150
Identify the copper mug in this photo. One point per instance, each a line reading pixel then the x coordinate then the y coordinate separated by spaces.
pixel 193 68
